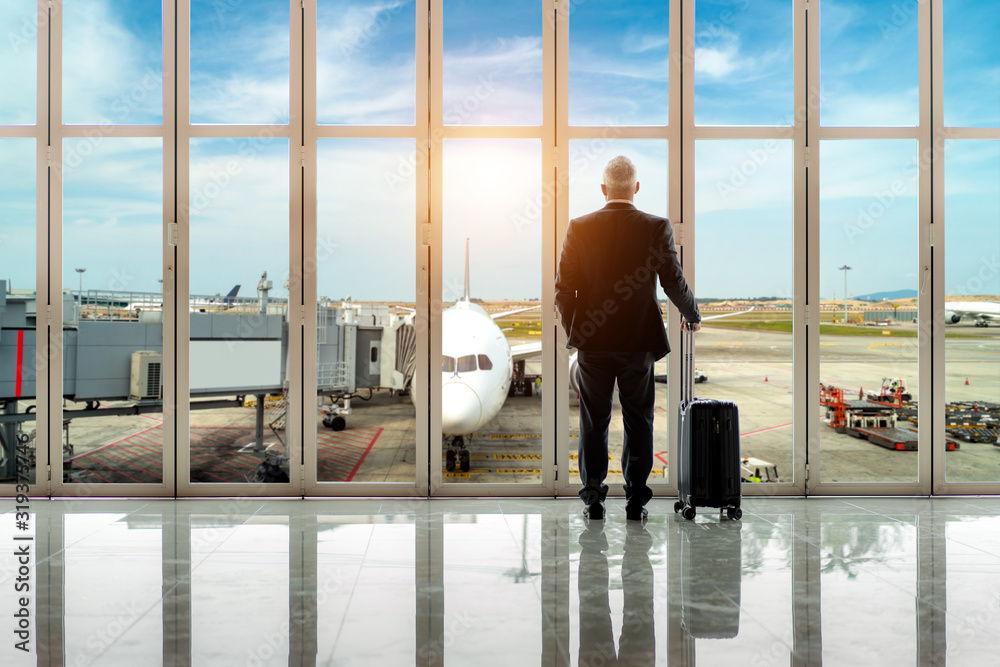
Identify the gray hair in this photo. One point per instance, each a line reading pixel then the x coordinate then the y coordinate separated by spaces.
pixel 619 177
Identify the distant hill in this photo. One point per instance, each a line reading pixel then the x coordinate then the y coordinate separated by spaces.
pixel 887 296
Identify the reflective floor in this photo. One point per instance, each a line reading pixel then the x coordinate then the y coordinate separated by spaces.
pixel 855 581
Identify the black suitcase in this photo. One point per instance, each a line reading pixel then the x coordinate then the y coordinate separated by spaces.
pixel 708 447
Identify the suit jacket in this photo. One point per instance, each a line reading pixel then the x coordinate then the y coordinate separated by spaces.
pixel 606 284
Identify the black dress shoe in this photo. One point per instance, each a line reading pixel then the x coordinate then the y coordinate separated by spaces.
pixel 636 513
pixel 594 511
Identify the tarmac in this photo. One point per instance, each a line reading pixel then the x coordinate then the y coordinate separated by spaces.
pixel 752 368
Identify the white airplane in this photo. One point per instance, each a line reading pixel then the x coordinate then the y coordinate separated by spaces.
pixel 477 369
pixel 199 305
pixel 983 312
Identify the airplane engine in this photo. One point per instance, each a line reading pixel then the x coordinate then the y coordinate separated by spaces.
pixel 951 318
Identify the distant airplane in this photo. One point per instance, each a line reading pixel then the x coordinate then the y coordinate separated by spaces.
pixel 477 369
pixel 983 312
pixel 199 306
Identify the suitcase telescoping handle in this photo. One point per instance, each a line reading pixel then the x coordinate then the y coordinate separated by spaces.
pixel 687 365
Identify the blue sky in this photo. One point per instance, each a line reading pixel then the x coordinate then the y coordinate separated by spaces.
pixel 618 74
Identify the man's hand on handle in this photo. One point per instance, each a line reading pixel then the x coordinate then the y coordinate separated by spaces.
pixel 694 326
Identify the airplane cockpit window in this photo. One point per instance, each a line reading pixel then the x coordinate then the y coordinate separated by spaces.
pixel 448 366
pixel 467 364
pixel 484 363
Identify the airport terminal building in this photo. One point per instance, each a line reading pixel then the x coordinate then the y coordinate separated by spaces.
pixel 278 330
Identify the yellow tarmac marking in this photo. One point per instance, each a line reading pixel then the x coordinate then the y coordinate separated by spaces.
pixel 611 471
pixel 513 436
pixel 517 457
pixel 458 475
pixel 512 471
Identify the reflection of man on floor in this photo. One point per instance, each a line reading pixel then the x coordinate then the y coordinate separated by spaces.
pixel 637 643
pixel 606 295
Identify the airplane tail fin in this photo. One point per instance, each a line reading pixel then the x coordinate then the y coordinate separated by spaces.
pixel 465 291
pixel 232 294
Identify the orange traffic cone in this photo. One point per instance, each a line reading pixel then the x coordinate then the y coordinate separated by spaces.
pixel 765 378
pixel 966 380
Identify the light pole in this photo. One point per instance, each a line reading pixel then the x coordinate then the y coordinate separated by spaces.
pixel 845 268
pixel 80 297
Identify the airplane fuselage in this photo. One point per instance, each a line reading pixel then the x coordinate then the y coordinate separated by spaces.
pixel 476 369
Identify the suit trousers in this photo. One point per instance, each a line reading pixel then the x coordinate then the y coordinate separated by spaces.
pixel 597 374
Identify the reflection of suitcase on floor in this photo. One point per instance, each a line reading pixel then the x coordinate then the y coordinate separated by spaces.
pixel 711 565
pixel 708 447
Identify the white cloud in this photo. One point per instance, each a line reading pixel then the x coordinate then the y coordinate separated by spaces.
pixel 715 63
pixel 108 72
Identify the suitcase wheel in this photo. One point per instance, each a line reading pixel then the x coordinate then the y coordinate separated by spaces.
pixel 678 506
pixel 688 513
pixel 734 513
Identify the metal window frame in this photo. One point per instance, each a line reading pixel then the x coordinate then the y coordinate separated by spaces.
pixel 186 131
pixel 921 133
pixel 546 134
pixel 50 409
pixel 313 134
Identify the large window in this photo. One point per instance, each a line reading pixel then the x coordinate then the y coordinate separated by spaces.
pixel 310 247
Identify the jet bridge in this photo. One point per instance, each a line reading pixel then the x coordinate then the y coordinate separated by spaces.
pixel 237 349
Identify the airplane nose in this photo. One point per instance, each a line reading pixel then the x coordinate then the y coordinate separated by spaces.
pixel 461 410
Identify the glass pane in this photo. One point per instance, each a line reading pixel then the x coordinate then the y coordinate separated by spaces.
pixel 492 419
pixel 112 310
pixel 971 63
pixel 17 307
pixel 20 22
pixel 587 159
pixel 492 577
pixel 743 63
pixel 366 587
pixel 744 208
pixel 869 62
pixel 868 342
pixel 229 551
pixel 365 70
pixel 112 62
pixel 972 310
pixel 366 306
pixel 618 63
pixel 868 558
pixel 240 67
pixel 492 63
pixel 112 613
pixel 239 344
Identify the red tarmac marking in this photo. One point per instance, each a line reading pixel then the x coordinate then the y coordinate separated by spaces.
pixel 659 455
pixel 208 473
pixel 121 472
pixel 94 472
pixel 769 428
pixel 370 445
pixel 350 438
pixel 143 458
pixel 126 438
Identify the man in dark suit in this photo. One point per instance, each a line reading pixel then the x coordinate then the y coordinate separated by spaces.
pixel 606 295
